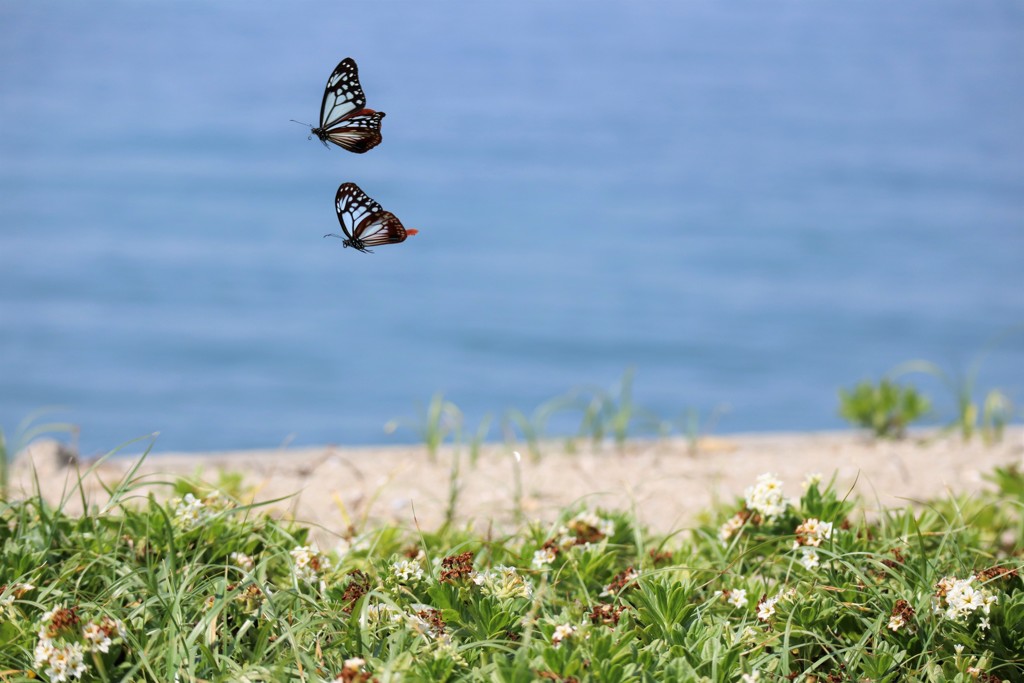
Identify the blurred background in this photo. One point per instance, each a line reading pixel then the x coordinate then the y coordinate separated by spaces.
pixel 751 204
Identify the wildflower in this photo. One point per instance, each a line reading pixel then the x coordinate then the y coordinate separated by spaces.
pixel 99 635
pixel 813 479
pixel 309 563
pixel 189 511
pixel 242 560
pixel 503 582
pixel 766 607
pixel 65 663
pixel 407 570
pixel 737 597
pixel 429 623
pixel 352 671
pixel 729 529
pixel 765 496
pixel 606 614
pixel 811 532
pixel 984 624
pixel 961 598
pixel 588 527
pixel 456 567
pixel 379 613
pixel 544 557
pixel 752 677
pixel 902 614
pixel 562 631
pixel 810 559
pixel 621 581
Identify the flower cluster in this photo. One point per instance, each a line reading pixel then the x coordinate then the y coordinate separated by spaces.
pixel 15 591
pixel 309 563
pixel 811 532
pixel 191 512
pixel 352 671
pixel 64 642
pixel 902 615
pixel 766 605
pixel 243 561
pixel 407 571
pixel 503 583
pixel 957 599
pixel 732 526
pixel 584 528
pixel 545 556
pixel 765 497
pixel 562 631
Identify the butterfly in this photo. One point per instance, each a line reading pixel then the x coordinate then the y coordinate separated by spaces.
pixel 365 222
pixel 344 119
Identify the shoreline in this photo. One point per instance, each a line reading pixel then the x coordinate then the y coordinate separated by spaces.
pixel 336 488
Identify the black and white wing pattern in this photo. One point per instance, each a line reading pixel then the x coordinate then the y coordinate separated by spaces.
pixel 344 118
pixel 365 222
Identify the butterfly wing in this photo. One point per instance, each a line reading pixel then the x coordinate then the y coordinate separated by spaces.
pixel 381 228
pixel 343 94
pixel 354 208
pixel 359 133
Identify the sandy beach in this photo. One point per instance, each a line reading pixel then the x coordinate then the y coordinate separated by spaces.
pixel 666 484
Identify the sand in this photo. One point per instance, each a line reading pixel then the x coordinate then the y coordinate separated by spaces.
pixel 663 482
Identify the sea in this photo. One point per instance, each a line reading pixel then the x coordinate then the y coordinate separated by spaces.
pixel 733 208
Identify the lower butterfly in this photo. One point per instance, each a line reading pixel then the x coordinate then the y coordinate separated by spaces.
pixel 365 222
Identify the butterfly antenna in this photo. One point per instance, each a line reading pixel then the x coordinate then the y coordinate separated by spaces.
pixel 331 234
pixel 307 125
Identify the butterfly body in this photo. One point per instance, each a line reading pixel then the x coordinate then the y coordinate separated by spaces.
pixel 344 119
pixel 364 222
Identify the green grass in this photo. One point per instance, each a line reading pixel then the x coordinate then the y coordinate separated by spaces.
pixel 201 588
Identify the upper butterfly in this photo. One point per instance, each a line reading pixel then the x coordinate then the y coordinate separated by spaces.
pixel 344 118
pixel 365 222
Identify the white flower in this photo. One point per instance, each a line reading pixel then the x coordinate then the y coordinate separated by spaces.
pixel 984 624
pixel 813 479
pixel 810 559
pixel 766 497
pixel 242 560
pixel 562 631
pixel 737 597
pixel 407 570
pixel 962 598
pixel 543 557
pixel 309 563
pixel 65 662
pixel 503 582
pixel 44 650
pixel 752 677
pixel 812 532
pixel 766 608
pixel 189 511
pixel 354 664
pixel 379 613
pixel 97 638
pixel 729 529
pixel 896 622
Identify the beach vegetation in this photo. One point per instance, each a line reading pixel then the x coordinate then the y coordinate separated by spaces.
pixel 183 582
pixel 885 407
pixel 977 411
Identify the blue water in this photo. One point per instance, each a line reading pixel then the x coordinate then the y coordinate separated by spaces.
pixel 750 203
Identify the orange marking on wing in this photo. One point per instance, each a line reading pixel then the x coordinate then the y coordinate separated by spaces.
pixel 411 231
